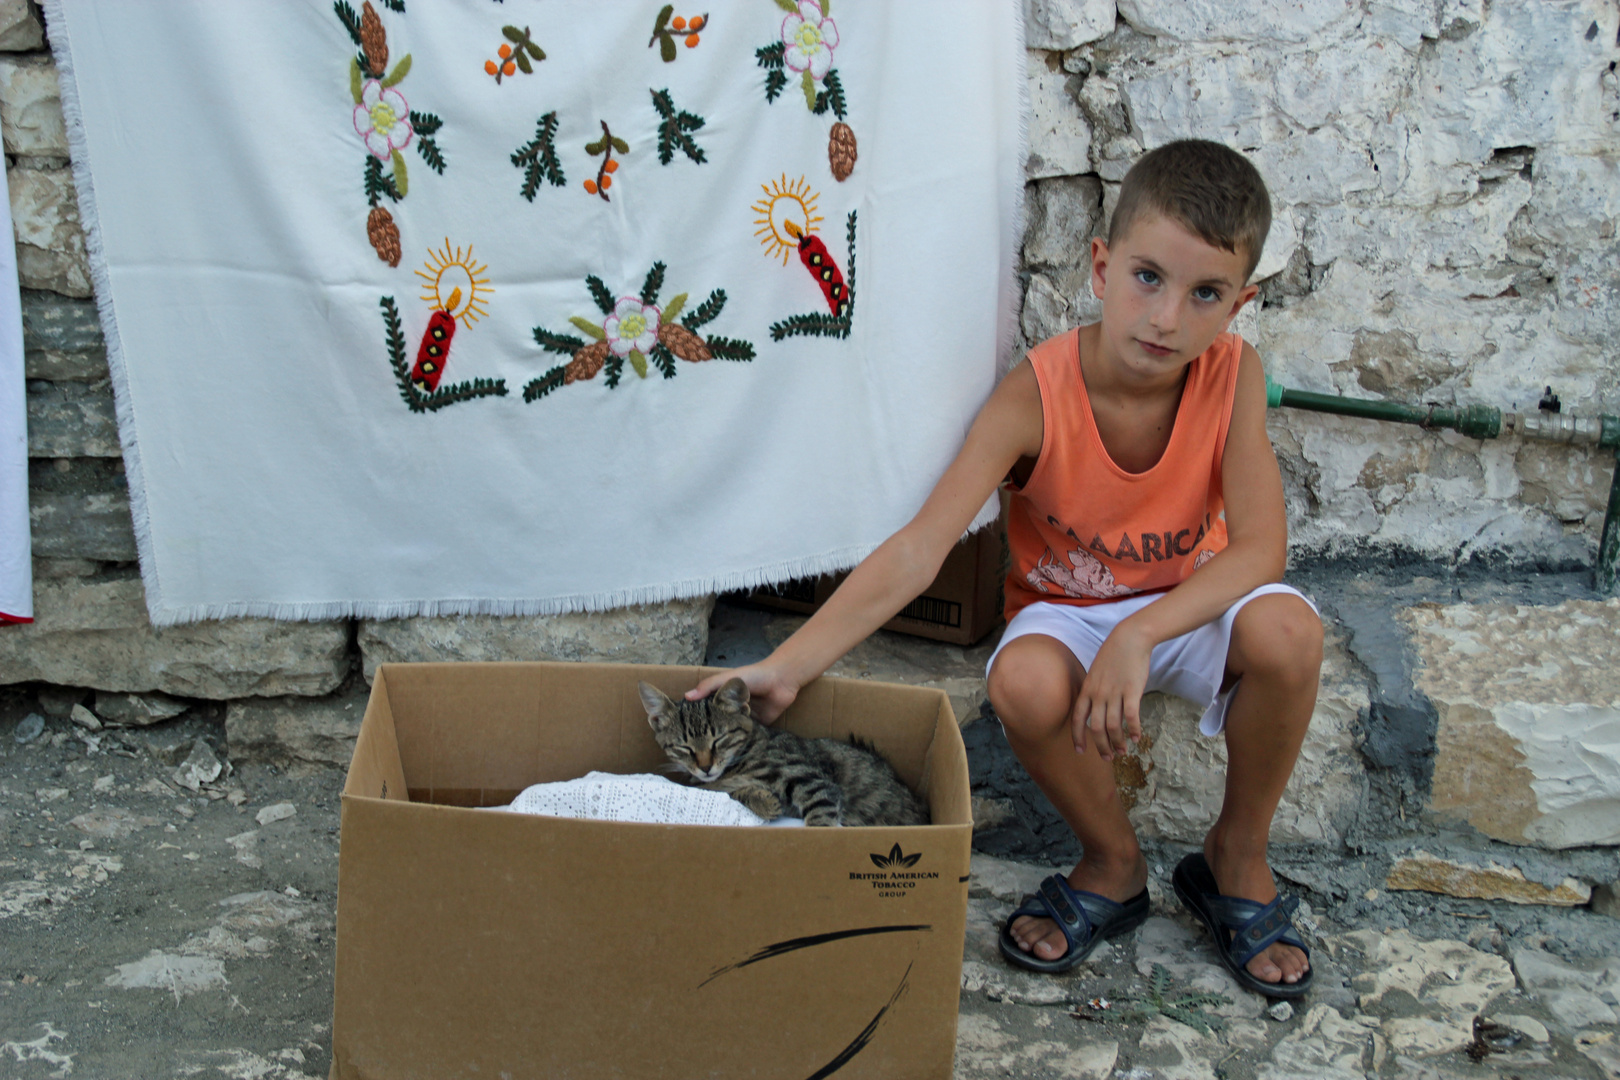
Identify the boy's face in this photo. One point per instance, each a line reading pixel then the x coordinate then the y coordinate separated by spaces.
pixel 1166 293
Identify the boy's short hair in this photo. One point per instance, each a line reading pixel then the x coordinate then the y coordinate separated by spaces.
pixel 1211 190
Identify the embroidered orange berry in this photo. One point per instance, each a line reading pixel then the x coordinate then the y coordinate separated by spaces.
pixel 508 67
pixel 489 67
pixel 691 41
pixel 505 51
pixel 611 166
pixel 590 186
pixel 607 182
pixel 678 22
pixel 697 22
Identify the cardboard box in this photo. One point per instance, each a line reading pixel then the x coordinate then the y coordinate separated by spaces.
pixel 473 943
pixel 961 606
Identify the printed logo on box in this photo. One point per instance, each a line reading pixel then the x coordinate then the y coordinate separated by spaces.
pixel 894 875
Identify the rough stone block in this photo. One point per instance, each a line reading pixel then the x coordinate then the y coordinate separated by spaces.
pixel 50 240
pixel 138 710
pixel 55 322
pixel 1064 24
pixel 91 526
pixel 20 28
pixel 292 731
pixel 673 633
pixel 1527 748
pixel 94 632
pixel 1059 134
pixel 1064 213
pixel 1174 784
pixel 1420 870
pixel 70 420
pixel 31 107
pixel 1234 20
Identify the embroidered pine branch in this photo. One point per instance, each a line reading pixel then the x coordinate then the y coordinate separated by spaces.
pixel 351 21
pixel 394 5
pixel 770 57
pixel 557 343
pixel 705 312
pixel 849 279
pixel 613 369
pixel 599 293
pixel 379 184
pixel 654 282
pixel 395 338
pixel 730 349
pixel 545 384
pixel 673 130
pixel 538 157
pixel 664 359
pixel 814 324
pixel 832 97
pixel 466 391
pixel 425 123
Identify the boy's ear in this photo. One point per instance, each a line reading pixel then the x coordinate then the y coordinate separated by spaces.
pixel 1245 294
pixel 1099 266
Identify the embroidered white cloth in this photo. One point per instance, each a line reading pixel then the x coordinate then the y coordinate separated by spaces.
pixel 643 797
pixel 435 306
pixel 16 567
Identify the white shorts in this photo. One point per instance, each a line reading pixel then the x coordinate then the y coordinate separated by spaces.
pixel 1191 666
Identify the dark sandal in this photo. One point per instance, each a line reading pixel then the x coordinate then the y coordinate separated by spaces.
pixel 1242 929
pixel 1085 919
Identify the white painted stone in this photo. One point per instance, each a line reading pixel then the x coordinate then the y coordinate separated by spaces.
pixel 1576 1009
pixel 1528 1026
pixel 1059 134
pixel 1004 879
pixel 179 975
pixel 50 240
pixel 280 811
pixel 1541 971
pixel 1322 1046
pixel 1528 744
pixel 1064 24
pixel 1234 20
pixel 31 107
pixel 676 632
pixel 1177 1051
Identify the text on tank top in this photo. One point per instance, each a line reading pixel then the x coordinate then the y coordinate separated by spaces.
pixel 1081 530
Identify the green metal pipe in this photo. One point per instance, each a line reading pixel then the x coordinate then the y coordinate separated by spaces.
pixel 1485 422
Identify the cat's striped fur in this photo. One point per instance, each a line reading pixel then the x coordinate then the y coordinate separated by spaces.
pixel 776 773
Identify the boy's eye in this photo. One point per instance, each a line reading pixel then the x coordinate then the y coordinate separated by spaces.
pixel 1147 277
pixel 1207 293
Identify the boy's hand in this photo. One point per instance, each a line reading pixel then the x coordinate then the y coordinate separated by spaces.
pixel 769 691
pixel 1108 709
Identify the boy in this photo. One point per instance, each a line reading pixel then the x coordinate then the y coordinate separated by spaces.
pixel 1147 532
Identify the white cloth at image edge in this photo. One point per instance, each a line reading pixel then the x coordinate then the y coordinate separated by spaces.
pixel 16 566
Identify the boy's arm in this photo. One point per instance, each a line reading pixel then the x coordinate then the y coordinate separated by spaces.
pixel 1008 428
pixel 1256 552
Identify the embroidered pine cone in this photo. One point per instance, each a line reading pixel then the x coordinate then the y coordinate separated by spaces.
pixel 374 40
pixel 384 235
pixel 683 343
pixel 841 151
pixel 586 363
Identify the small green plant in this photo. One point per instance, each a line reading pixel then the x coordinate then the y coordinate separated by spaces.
pixel 1187 1009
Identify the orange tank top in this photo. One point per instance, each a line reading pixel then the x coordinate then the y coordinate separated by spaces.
pixel 1082 530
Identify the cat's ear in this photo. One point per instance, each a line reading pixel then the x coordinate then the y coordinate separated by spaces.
pixel 734 695
pixel 655 701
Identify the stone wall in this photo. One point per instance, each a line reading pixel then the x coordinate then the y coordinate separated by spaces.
pixel 91 629
pixel 1445 184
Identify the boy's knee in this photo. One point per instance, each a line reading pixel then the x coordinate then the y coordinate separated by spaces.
pixel 1281 640
pixel 1028 691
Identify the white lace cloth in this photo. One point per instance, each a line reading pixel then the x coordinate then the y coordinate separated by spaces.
pixel 641 797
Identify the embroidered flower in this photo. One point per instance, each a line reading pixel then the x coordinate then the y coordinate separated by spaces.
pixel 383 119
pixel 810 39
pixel 633 327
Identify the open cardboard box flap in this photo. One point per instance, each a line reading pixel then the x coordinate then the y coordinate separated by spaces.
pixel 473 943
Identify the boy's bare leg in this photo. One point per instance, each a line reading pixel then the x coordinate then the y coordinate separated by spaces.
pixel 1276 650
pixel 1033 686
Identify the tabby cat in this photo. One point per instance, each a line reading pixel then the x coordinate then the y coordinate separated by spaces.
pixel 775 772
